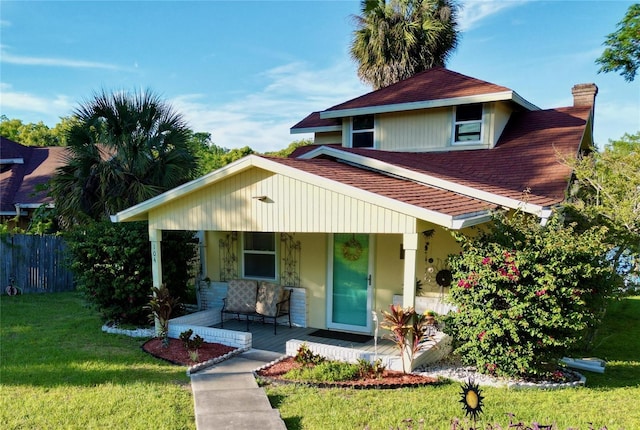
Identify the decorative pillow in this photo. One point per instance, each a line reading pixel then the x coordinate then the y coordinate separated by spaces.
pixel 269 295
pixel 241 295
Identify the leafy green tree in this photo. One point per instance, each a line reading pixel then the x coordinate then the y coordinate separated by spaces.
pixel 31 134
pixel 124 148
pixel 396 39
pixel 623 46
pixel 606 191
pixel 112 267
pixel 527 294
pixel 289 149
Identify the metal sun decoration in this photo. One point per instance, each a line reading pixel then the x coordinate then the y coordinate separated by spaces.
pixel 471 399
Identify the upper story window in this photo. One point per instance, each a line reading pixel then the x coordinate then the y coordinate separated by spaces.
pixel 259 255
pixel 468 124
pixel 362 131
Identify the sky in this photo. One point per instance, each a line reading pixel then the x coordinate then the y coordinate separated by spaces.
pixel 247 71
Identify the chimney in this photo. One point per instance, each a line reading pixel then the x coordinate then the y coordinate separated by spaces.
pixel 584 94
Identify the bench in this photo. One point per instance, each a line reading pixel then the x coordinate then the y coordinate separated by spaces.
pixel 256 301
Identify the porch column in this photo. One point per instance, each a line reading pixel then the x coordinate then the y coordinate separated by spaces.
pixel 410 244
pixel 155 238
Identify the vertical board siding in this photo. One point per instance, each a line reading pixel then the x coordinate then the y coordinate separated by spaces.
pixel 415 131
pixel 292 205
pixel 37 263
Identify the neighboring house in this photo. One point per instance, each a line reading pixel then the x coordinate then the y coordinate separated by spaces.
pixel 24 170
pixel 356 219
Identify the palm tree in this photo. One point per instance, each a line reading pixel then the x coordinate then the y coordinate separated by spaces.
pixel 124 148
pixel 396 39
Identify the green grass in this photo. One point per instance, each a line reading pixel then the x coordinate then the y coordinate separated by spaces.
pixel 607 400
pixel 58 370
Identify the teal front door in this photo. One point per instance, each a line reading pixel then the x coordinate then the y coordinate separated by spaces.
pixel 349 295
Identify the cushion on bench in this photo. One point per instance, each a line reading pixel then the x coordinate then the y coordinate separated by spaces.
pixel 241 296
pixel 269 295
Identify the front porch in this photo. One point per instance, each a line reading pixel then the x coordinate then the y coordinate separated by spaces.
pixel 288 340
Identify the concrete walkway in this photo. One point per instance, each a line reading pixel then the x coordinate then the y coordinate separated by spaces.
pixel 226 395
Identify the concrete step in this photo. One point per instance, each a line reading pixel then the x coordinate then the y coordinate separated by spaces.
pixel 262 420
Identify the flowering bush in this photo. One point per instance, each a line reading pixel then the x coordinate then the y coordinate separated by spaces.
pixel 527 294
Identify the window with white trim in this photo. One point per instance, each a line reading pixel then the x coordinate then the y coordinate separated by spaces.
pixel 259 255
pixel 468 124
pixel 362 131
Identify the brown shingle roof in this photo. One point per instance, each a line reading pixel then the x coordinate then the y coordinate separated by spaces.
pixel 19 182
pixel 433 84
pixel 527 156
pixel 313 120
pixel 419 195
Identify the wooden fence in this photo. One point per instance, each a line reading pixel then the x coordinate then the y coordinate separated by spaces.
pixel 36 263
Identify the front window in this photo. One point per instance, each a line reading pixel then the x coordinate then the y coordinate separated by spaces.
pixel 259 255
pixel 362 131
pixel 468 124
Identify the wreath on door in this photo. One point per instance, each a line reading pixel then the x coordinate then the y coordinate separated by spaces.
pixel 352 249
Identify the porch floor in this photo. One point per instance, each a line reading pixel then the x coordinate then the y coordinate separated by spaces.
pixel 264 339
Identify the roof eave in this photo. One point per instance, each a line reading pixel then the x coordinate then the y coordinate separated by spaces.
pixel 323 129
pixel 429 104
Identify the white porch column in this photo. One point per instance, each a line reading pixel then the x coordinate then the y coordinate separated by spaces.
pixel 155 238
pixel 410 244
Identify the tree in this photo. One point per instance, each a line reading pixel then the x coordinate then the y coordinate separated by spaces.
pixel 623 46
pixel 606 191
pixel 527 294
pixel 396 39
pixel 31 134
pixel 289 149
pixel 124 148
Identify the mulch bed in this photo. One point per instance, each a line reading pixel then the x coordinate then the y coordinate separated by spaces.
pixel 389 379
pixel 177 354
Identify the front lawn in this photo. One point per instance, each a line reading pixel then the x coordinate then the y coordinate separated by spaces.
pixel 59 370
pixel 608 400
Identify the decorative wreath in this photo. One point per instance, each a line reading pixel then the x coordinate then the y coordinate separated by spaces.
pixel 352 249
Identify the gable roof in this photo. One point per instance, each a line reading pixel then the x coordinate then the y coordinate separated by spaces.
pixel 420 201
pixel 24 169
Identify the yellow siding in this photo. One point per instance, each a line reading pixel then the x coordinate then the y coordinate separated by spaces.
pixel 414 130
pixel 502 112
pixel 328 138
pixel 291 205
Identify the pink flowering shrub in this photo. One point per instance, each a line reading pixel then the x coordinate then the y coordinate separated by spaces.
pixel 527 294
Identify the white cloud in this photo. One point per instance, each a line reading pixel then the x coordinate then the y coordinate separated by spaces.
pixel 53 62
pixel 261 120
pixel 474 11
pixel 22 101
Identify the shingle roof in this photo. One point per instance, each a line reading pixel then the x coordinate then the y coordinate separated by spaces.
pixel 527 157
pixel 313 120
pixel 419 195
pixel 433 84
pixel 19 182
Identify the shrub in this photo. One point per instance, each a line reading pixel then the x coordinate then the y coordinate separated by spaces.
pixel 161 305
pixel 408 329
pixel 305 356
pixel 527 294
pixel 112 266
pixel 326 371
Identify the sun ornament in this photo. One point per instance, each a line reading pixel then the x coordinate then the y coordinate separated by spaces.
pixel 471 399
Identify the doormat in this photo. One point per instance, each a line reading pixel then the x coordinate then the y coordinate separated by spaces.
pixel 340 335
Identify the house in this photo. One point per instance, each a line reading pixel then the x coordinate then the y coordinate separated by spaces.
pixel 24 170
pixel 353 221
